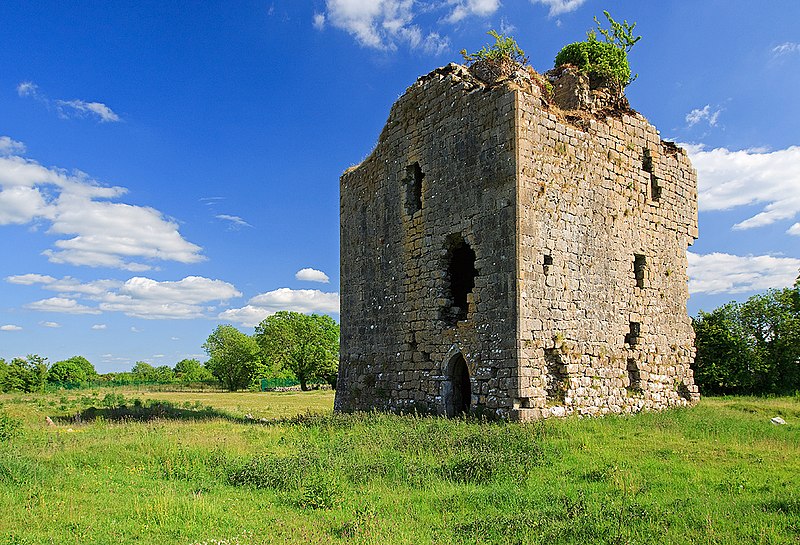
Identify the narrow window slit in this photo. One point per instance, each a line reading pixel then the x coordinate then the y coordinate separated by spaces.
pixel 639 263
pixel 413 183
pixel 632 337
pixel 647 166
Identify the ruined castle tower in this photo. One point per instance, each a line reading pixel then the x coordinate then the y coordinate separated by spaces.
pixel 511 255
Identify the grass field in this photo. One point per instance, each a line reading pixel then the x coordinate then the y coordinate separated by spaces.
pixel 189 468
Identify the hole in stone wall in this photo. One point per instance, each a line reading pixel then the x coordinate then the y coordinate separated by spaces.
pixel 634 376
pixel 547 262
pixel 458 395
pixel 632 338
pixel 639 263
pixel 413 182
pixel 684 392
pixel 647 166
pixel 460 278
pixel 555 376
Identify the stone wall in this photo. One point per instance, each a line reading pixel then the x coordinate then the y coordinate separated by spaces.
pixel 491 229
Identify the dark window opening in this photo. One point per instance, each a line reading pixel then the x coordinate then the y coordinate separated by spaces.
pixel 555 377
pixel 413 181
pixel 548 262
pixel 684 392
pixel 639 263
pixel 647 166
pixel 634 376
pixel 632 338
pixel 461 275
pixel 460 390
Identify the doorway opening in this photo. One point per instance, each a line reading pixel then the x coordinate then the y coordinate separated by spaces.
pixel 459 397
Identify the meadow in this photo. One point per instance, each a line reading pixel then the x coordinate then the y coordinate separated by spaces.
pixel 136 466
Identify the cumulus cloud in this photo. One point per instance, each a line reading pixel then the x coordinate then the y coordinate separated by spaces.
pixel 725 273
pixel 97 231
pixel 266 304
pixel 786 48
pixel 703 114
pixel 10 327
pixel 9 146
pixel 50 324
pixel 729 179
pixel 138 296
pixel 557 7
pixel 64 305
pixel 312 275
pixel 382 24
pixel 69 108
pixel 461 9
pixel 235 221
pixel 99 327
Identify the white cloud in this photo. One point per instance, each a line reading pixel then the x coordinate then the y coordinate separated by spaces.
pixel 99 232
pixel 266 304
pixel 9 146
pixel 728 179
pixel 69 108
pixel 10 327
pixel 236 221
pixel 794 230
pixel 50 324
pixel 382 24
pixel 138 296
pixel 557 7
pixel 81 108
pixel 99 327
pixel 506 28
pixel 703 114
pixel 725 273
pixel 461 9
pixel 312 275
pixel 786 48
pixel 135 329
pixel 63 305
pixel 27 89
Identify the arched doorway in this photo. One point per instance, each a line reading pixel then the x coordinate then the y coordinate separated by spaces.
pixel 458 396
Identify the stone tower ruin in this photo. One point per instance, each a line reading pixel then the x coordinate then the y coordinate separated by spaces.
pixel 508 254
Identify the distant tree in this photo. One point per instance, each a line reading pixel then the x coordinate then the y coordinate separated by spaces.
pixel 25 374
pixel 306 345
pixel 191 370
pixel 3 372
pixel 163 373
pixel 74 369
pixel 233 357
pixel 751 347
pixel 143 370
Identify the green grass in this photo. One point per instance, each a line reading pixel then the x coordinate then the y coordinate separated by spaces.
pixel 189 468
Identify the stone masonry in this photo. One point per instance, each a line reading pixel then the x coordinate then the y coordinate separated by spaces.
pixel 510 255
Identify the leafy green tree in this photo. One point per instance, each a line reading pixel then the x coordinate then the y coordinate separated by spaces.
pixel 143 370
pixel 191 370
pixel 74 369
pixel 307 345
pixel 751 347
pixel 233 357
pixel 25 374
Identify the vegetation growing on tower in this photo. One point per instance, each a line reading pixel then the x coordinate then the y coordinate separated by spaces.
pixel 603 61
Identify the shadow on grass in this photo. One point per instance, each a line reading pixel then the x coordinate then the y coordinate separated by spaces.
pixel 147 413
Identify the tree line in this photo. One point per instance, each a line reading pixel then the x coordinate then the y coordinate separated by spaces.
pixel 750 348
pixel 286 345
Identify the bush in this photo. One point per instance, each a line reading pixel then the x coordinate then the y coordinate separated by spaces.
pixel 602 62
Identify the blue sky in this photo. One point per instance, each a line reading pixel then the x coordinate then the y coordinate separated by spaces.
pixel 166 167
